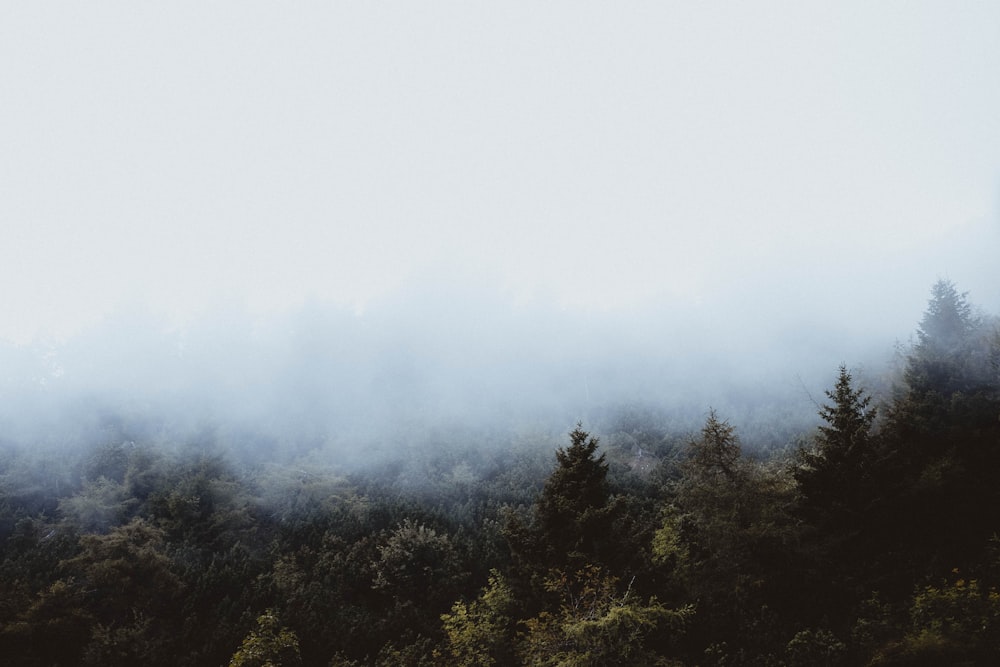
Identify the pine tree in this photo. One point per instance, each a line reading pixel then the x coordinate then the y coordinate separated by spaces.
pixel 940 360
pixel 727 532
pixel 948 319
pixel 571 516
pixel 834 475
pixel 951 379
pixel 716 453
pixel 942 432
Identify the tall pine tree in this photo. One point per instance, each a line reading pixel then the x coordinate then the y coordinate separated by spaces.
pixel 835 475
pixel 571 515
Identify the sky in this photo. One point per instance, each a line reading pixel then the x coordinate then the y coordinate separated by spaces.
pixel 829 160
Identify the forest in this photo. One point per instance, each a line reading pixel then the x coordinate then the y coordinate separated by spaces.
pixel 871 539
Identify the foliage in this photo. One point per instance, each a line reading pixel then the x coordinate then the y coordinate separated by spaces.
pixel 417 566
pixel 595 625
pixel 268 645
pixel 729 542
pixel 941 436
pixel 944 343
pixel 571 515
pixel 815 648
pixel 480 633
pixel 835 476
pixel 100 504
pixel 951 370
pixel 126 551
pixel 957 622
pixel 669 547
pixel 716 455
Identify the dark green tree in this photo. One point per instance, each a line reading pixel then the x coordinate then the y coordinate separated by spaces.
pixel 941 438
pixel 716 455
pixel 480 633
pixel 951 376
pixel 728 535
pixel 835 474
pixel 269 645
pixel 572 513
pixel 842 491
pixel 417 565
pixel 419 572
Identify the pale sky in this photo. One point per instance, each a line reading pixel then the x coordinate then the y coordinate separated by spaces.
pixel 178 155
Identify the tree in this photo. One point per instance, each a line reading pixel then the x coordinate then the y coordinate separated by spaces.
pixel 849 419
pixel 101 610
pixel 420 571
pixel 716 454
pixel 957 623
pixel 126 570
pixel 723 496
pixel 268 645
pixel 947 323
pixel 843 485
pixel 417 564
pixel 479 634
pixel 99 505
pixel 955 353
pixel 941 435
pixel 815 648
pixel 53 629
pixel 727 537
pixel 596 625
pixel 834 476
pixel 572 514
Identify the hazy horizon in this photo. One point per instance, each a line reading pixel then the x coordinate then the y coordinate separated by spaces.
pixel 576 156
pixel 460 212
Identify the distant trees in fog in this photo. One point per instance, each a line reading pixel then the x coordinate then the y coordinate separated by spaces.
pixel 872 539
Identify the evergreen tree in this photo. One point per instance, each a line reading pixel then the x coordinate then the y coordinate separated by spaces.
pixel 727 538
pixel 951 393
pixel 841 489
pixel 940 360
pixel 269 645
pixel 834 476
pixel 571 515
pixel 716 453
pixel 945 418
pixel 948 318
pixel 941 441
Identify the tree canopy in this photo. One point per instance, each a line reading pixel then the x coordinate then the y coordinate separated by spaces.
pixel 870 539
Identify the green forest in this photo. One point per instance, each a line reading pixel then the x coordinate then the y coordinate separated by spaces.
pixel 872 540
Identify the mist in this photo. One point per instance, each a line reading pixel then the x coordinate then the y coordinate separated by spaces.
pixel 499 333
pixel 340 229
pixel 442 363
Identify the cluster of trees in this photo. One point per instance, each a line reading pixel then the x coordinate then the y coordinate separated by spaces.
pixel 873 541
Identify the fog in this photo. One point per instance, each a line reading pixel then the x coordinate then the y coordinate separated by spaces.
pixel 342 231
pixel 435 365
